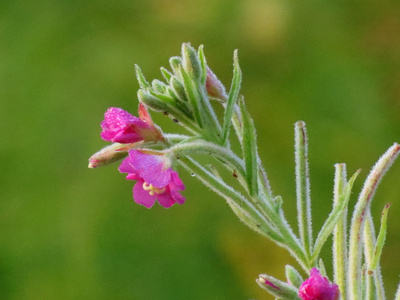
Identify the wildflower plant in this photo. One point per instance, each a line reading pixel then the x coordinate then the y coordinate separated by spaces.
pixel 188 95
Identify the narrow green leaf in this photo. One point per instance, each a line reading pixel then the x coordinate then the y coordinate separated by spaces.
pixel 166 74
pixel 233 96
pixel 141 79
pixel 249 150
pixel 381 238
pixel 333 218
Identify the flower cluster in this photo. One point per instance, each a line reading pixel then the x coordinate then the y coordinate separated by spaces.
pixel 155 178
pixel 188 95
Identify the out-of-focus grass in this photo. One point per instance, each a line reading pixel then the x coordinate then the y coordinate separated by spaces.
pixel 67 232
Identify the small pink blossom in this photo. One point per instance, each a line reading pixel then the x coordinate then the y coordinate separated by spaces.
pixel 119 126
pixel 155 179
pixel 317 287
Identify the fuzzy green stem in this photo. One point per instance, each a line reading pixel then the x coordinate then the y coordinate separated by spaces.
pixel 339 234
pixel 358 219
pixel 303 186
pixel 227 192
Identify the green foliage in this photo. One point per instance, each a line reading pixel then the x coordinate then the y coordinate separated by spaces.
pixel 71 233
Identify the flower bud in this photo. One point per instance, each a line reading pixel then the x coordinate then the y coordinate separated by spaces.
pixel 108 155
pixel 178 88
pixel 279 289
pixel 214 86
pixel 152 102
pixel 158 86
pixel 175 62
pixel 191 62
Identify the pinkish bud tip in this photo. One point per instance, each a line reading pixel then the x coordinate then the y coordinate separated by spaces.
pixel 267 282
pixel 214 86
pixel 317 287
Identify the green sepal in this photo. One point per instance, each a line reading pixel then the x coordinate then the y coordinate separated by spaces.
pixel 334 217
pixel 233 96
pixel 249 150
pixel 293 277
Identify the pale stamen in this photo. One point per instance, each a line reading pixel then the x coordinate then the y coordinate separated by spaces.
pixel 152 189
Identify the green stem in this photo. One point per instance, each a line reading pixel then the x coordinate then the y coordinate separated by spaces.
pixel 358 219
pixel 227 192
pixel 339 234
pixel 303 186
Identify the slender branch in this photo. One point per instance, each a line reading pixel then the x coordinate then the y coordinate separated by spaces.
pixel 303 186
pixel 339 234
pixel 358 220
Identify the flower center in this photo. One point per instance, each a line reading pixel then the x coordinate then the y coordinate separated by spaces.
pixel 152 189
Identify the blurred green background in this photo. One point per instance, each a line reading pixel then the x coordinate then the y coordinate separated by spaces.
pixel 68 232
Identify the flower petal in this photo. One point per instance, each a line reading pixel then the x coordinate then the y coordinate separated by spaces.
pixel 125 166
pixel 122 127
pixel 151 168
pixel 165 199
pixel 142 196
pixel 176 182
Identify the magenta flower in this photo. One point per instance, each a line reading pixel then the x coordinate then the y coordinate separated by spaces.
pixel 317 287
pixel 119 126
pixel 155 179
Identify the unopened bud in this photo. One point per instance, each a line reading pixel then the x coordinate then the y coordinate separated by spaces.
pixel 278 288
pixel 175 62
pixel 214 86
pixel 151 101
pixel 178 88
pixel 109 154
pixel 191 62
pixel 158 86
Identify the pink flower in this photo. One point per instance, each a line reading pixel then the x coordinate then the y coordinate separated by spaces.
pixel 155 179
pixel 317 287
pixel 119 126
